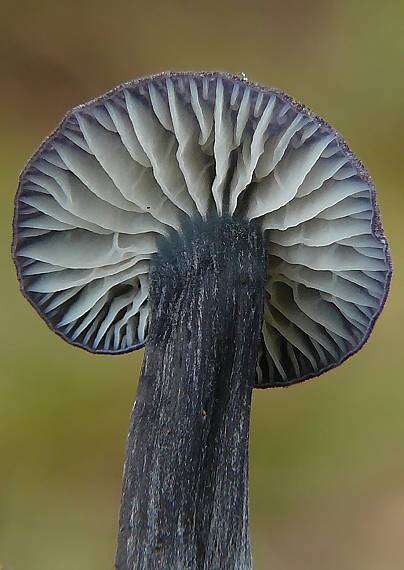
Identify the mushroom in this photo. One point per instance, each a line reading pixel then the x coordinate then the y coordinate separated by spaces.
pixel 230 231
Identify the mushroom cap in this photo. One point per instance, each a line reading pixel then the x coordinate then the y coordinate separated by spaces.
pixel 133 165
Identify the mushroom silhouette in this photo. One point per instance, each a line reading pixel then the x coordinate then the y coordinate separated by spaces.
pixel 230 231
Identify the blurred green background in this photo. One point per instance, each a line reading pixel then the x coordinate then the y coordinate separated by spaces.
pixel 327 457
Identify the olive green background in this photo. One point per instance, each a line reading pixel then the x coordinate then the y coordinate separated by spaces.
pixel 327 457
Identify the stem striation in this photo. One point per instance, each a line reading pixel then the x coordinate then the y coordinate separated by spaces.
pixel 185 489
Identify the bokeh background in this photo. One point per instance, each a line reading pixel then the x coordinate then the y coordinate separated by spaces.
pixel 327 457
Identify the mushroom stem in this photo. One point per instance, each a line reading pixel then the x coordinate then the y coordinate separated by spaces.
pixel 185 489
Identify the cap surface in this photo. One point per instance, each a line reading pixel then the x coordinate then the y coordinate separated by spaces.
pixel 136 163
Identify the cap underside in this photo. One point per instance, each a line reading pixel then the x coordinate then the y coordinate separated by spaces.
pixel 136 163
